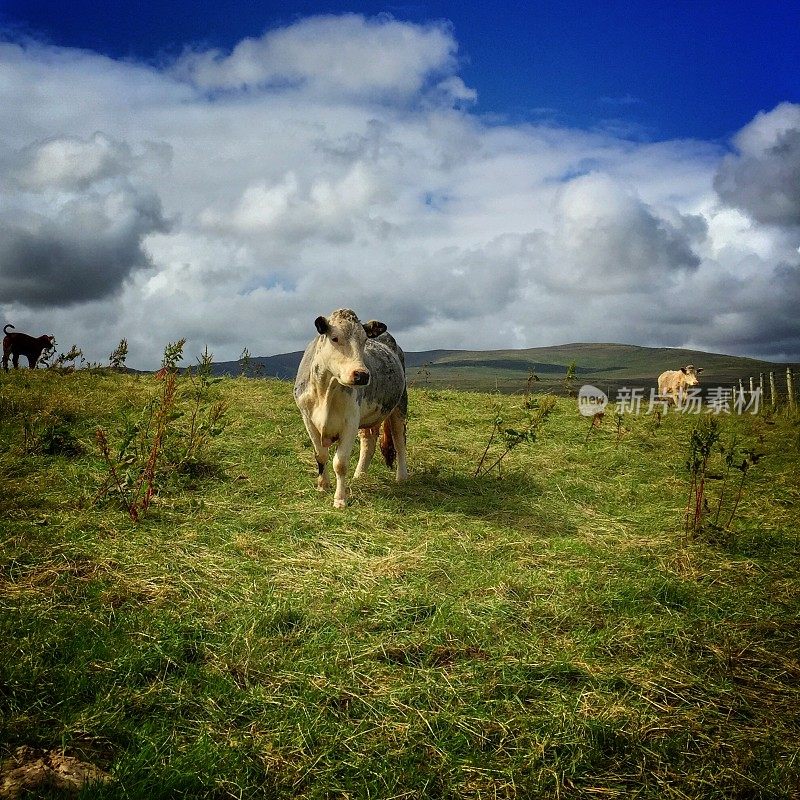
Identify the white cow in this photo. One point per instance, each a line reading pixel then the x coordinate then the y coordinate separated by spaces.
pixel 350 380
pixel 673 383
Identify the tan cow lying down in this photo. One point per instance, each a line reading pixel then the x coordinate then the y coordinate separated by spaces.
pixel 673 383
pixel 351 379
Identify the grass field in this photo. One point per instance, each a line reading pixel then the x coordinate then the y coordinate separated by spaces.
pixel 548 633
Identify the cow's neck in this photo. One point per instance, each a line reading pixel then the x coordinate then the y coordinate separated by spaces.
pixel 331 410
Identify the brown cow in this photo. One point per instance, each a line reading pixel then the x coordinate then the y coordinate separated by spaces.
pixel 20 344
pixel 673 383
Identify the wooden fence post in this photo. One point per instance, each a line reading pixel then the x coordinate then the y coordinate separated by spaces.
pixel 790 387
pixel 773 393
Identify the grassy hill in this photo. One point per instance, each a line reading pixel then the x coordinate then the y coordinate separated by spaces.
pixel 607 366
pixel 546 632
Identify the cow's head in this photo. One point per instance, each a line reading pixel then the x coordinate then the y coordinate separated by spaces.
pixel 343 337
pixel 691 374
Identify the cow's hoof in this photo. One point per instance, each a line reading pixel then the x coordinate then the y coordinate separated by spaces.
pixel 339 503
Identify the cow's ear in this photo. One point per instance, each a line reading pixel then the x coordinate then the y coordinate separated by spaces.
pixel 699 370
pixel 374 328
pixel 683 370
pixel 321 324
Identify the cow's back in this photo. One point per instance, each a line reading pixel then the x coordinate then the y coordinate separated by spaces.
pixel 671 380
pixel 304 370
pixel 386 390
pixel 387 339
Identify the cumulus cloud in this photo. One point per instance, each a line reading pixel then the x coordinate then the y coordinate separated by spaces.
pixel 325 207
pixel 763 177
pixel 232 197
pixel 609 241
pixel 76 225
pixel 70 163
pixel 333 55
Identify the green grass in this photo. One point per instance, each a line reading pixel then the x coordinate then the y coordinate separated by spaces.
pixel 549 633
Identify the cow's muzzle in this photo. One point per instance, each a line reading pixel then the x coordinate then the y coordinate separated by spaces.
pixel 360 377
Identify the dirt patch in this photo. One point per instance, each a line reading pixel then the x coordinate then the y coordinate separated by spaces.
pixel 30 769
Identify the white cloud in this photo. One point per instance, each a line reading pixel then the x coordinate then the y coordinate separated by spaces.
pixel 609 241
pixel 72 163
pixel 233 197
pixel 347 54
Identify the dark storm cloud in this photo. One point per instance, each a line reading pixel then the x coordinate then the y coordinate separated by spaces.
pixel 765 314
pixel 84 252
pixel 763 178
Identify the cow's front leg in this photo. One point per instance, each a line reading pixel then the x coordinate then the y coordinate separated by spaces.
pixel 323 482
pixel 320 454
pixel 340 461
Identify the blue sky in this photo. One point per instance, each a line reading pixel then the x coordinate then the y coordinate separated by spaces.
pixel 475 175
pixel 656 69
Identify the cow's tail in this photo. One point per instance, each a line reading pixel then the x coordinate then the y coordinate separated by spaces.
pixel 5 330
pixel 387 444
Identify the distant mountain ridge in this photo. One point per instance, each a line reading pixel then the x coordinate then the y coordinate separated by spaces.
pixel 605 364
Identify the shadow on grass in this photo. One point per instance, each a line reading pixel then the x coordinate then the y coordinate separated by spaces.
pixel 510 500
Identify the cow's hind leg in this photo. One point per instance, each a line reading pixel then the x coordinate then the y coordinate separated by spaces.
pixel 397 426
pixel 368 438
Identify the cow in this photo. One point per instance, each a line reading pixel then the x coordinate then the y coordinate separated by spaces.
pixel 351 380
pixel 21 344
pixel 673 383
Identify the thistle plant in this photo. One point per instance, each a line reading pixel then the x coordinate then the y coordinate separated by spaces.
pixel 64 362
pixel 244 362
pixel 537 411
pixel 701 444
pixel 170 436
pixel 569 378
pixel 116 360
pixel 532 378
pixel 736 460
